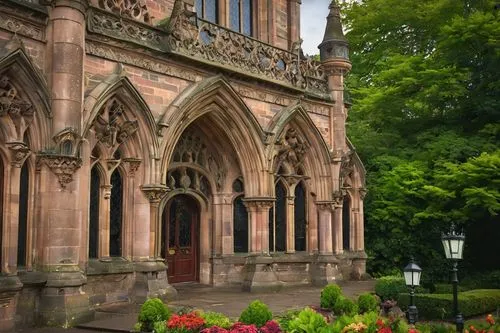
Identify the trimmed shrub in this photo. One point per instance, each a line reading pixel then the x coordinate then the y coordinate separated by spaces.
pixel 152 310
pixel 389 287
pixel 256 313
pixel 216 319
pixel 285 319
pixel 442 288
pixel 160 327
pixel 329 296
pixel 367 303
pixel 344 306
pixel 440 306
pixel 308 321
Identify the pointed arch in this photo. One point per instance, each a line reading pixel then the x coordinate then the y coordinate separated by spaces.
pixel 18 72
pixel 117 87
pixel 215 98
pixel 359 171
pixel 317 159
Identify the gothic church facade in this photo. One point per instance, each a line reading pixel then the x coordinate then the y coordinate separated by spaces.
pixel 145 143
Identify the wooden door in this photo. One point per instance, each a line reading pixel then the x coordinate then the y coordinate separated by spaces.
pixel 181 239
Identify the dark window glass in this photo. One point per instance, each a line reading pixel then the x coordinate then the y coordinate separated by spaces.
pixel 271 229
pixel 211 10
pixel 240 218
pixel 346 223
pixel 115 225
pixel 67 147
pixel 300 218
pixel 185 221
pixel 1 209
pixel 95 184
pixel 234 15
pixel 171 226
pixel 23 216
pixel 247 17
pixel 238 186
pixel 280 217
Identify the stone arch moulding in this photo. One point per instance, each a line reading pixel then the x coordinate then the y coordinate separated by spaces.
pixel 24 98
pixel 118 88
pixel 214 97
pixel 352 165
pixel 294 120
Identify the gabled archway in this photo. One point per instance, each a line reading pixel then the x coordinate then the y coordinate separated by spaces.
pixel 216 100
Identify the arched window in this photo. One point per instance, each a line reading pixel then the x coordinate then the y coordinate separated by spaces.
pixel 346 223
pixel 300 218
pixel 208 10
pixel 67 147
pixel 1 213
pixel 23 216
pixel 277 221
pixel 240 16
pixel 116 213
pixel 240 228
pixel 95 184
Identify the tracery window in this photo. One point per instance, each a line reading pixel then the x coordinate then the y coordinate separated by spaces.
pixel 346 223
pixel 240 16
pixel 277 220
pixel 23 216
pixel 95 184
pixel 300 223
pixel 116 213
pixel 240 220
pixel 1 211
pixel 208 10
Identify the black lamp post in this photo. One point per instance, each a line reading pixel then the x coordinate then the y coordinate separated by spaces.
pixel 453 244
pixel 412 278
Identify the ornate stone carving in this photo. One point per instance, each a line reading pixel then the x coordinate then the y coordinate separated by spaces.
pixel 111 127
pixel 198 38
pixel 338 198
pixel 142 61
pixel 21 27
pixel 258 203
pixel 326 205
pixel 62 166
pixel 106 191
pixel 154 192
pixel 134 9
pixel 291 151
pixel 19 153
pixel 19 111
pixel 67 142
pixel 133 165
pixel 109 25
pixel 362 193
pixel 347 165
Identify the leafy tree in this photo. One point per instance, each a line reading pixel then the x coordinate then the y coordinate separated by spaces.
pixel 426 121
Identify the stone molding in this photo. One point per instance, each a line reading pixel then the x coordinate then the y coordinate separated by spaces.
pixel 62 166
pixel 19 153
pixel 326 205
pixel 258 202
pixel 133 165
pixel 21 27
pixel 154 192
pixel 132 9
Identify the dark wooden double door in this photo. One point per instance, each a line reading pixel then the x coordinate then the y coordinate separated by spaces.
pixel 180 238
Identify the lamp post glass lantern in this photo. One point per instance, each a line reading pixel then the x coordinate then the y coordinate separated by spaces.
pixel 412 278
pixel 453 244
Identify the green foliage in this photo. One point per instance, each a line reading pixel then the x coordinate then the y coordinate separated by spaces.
pixel 489 280
pixel 256 313
pixel 389 287
pixel 435 327
pixel 329 296
pixel 153 310
pixel 160 327
pixel 285 319
pixel 425 120
pixel 137 327
pixel 439 306
pixel 345 306
pixel 367 303
pixel 447 288
pixel 216 319
pixel 308 321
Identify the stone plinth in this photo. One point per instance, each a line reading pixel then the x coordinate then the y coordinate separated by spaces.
pixel 259 275
pixel 151 281
pixel 9 293
pixel 325 270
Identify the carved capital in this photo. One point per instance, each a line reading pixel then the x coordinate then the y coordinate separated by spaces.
pixel 62 166
pixel 133 165
pixel 258 203
pixel 338 198
pixel 106 190
pixel 154 192
pixel 326 205
pixel 362 193
pixel 19 153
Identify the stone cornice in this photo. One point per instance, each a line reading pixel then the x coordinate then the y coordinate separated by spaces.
pixel 23 18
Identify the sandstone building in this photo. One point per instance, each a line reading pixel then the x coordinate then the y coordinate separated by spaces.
pixel 137 135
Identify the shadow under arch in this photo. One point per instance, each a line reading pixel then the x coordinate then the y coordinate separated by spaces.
pixel 317 159
pixel 216 99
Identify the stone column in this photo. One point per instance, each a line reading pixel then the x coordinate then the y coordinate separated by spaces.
pixel 293 21
pixel 154 193
pixel 338 241
pixel 222 230
pixel 325 227
pixel 258 219
pixel 290 222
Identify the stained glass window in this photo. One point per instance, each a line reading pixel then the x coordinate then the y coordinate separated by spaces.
pixel 280 218
pixel 300 218
pixel 346 223
pixel 95 184
pixel 185 221
pixel 240 228
pixel 23 216
pixel 116 213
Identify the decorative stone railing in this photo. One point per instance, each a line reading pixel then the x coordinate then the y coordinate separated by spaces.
pixel 188 36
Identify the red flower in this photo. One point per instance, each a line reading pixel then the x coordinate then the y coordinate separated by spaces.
pixel 243 328
pixel 271 327
pixel 214 329
pixel 379 323
pixel 490 319
pixel 413 330
pixel 385 330
pixel 190 322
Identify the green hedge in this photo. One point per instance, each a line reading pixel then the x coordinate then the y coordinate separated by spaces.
pixel 485 280
pixel 440 306
pixel 389 287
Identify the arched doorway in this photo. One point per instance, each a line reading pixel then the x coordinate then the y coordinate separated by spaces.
pixel 180 236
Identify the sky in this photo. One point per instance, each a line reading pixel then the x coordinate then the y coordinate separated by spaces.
pixel 313 15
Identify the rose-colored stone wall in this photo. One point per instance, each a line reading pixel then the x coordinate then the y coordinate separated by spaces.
pixel 34 48
pixel 159 9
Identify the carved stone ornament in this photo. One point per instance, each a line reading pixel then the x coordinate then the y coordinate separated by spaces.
pixel 19 153
pixel 106 190
pixel 326 205
pixel 347 165
pixel 154 192
pixel 133 165
pixel 362 193
pixel 258 203
pixel 19 111
pixel 338 198
pixel 134 9
pixel 127 30
pixel 111 127
pixel 291 151
pixel 21 27
pixel 200 39
pixel 62 166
